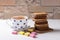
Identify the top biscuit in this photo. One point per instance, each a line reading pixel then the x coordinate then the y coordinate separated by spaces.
pixel 41 13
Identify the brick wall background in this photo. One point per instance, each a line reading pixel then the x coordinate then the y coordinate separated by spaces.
pixel 9 8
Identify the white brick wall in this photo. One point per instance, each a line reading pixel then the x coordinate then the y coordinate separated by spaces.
pixel 26 7
pixel 50 2
pixel 7 2
pixel 50 15
pixel 7 11
pixel 52 7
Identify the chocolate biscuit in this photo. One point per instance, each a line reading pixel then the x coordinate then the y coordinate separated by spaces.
pixel 40 15
pixel 41 22
pixel 41 26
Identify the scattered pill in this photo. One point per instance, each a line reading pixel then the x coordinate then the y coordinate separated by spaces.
pixel 30 30
pixel 27 34
pixel 33 35
pixel 21 32
pixel 14 32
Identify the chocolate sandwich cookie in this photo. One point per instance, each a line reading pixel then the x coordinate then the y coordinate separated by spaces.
pixel 45 22
pixel 41 27
pixel 40 20
pixel 40 15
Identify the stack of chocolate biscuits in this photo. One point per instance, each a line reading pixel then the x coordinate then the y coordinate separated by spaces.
pixel 41 22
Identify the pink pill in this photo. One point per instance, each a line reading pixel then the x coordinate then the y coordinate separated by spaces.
pixel 32 35
pixel 15 32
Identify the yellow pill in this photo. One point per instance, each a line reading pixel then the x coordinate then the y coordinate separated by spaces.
pixel 21 32
pixel 27 34
pixel 30 30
